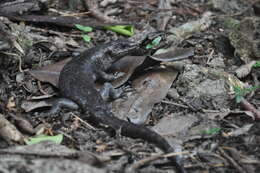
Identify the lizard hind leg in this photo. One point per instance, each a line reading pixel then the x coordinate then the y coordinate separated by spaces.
pixel 60 103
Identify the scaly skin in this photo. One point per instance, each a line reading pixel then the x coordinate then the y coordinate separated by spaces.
pixel 77 80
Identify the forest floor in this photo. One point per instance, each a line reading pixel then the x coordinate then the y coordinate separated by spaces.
pixel 207 105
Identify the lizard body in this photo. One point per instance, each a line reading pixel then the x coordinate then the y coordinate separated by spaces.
pixel 77 83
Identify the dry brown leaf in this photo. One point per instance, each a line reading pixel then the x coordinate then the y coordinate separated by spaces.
pixel 175 54
pixel 127 65
pixel 50 73
pixel 150 88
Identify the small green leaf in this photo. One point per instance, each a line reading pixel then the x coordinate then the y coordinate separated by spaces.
pixel 157 41
pixel 238 90
pixel 241 92
pixel 84 28
pixel 211 131
pixel 86 38
pixel 154 43
pixel 149 46
pixel 239 98
pixel 34 140
pixel 127 30
pixel 257 64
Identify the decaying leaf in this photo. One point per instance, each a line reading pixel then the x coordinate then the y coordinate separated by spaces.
pixel 50 73
pixel 244 39
pixel 31 105
pixel 244 70
pixel 150 88
pixel 127 65
pixel 183 31
pixel 8 131
pixel 23 124
pixel 173 124
pixel 240 131
pixel 175 54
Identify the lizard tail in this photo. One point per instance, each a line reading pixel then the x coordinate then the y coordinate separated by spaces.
pixel 131 130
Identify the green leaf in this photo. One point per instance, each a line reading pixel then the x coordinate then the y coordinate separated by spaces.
pixel 237 90
pixel 84 28
pixel 211 131
pixel 34 140
pixel 154 43
pixel 239 98
pixel 241 92
pixel 127 30
pixel 149 46
pixel 157 41
pixel 86 38
pixel 257 64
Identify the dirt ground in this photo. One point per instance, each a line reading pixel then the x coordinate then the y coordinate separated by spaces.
pixel 207 105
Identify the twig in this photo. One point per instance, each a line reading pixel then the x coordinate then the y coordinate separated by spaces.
pixel 93 8
pixel 147 160
pixel 41 154
pixel 248 106
pixel 67 13
pixel 84 122
pixel 64 21
pixel 55 32
pixel 232 161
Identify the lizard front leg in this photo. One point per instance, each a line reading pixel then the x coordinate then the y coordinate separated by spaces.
pixel 109 93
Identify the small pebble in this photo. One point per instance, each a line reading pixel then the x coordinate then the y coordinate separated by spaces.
pixel 19 77
pixel 104 3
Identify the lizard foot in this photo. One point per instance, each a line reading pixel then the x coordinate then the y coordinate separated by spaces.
pixel 109 93
pixel 125 90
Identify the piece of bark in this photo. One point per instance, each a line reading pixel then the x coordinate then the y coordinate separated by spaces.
pixel 64 21
pixel 8 131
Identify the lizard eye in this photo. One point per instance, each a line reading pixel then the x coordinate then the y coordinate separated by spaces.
pixel 125 46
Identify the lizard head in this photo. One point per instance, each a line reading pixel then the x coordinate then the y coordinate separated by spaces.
pixel 122 48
